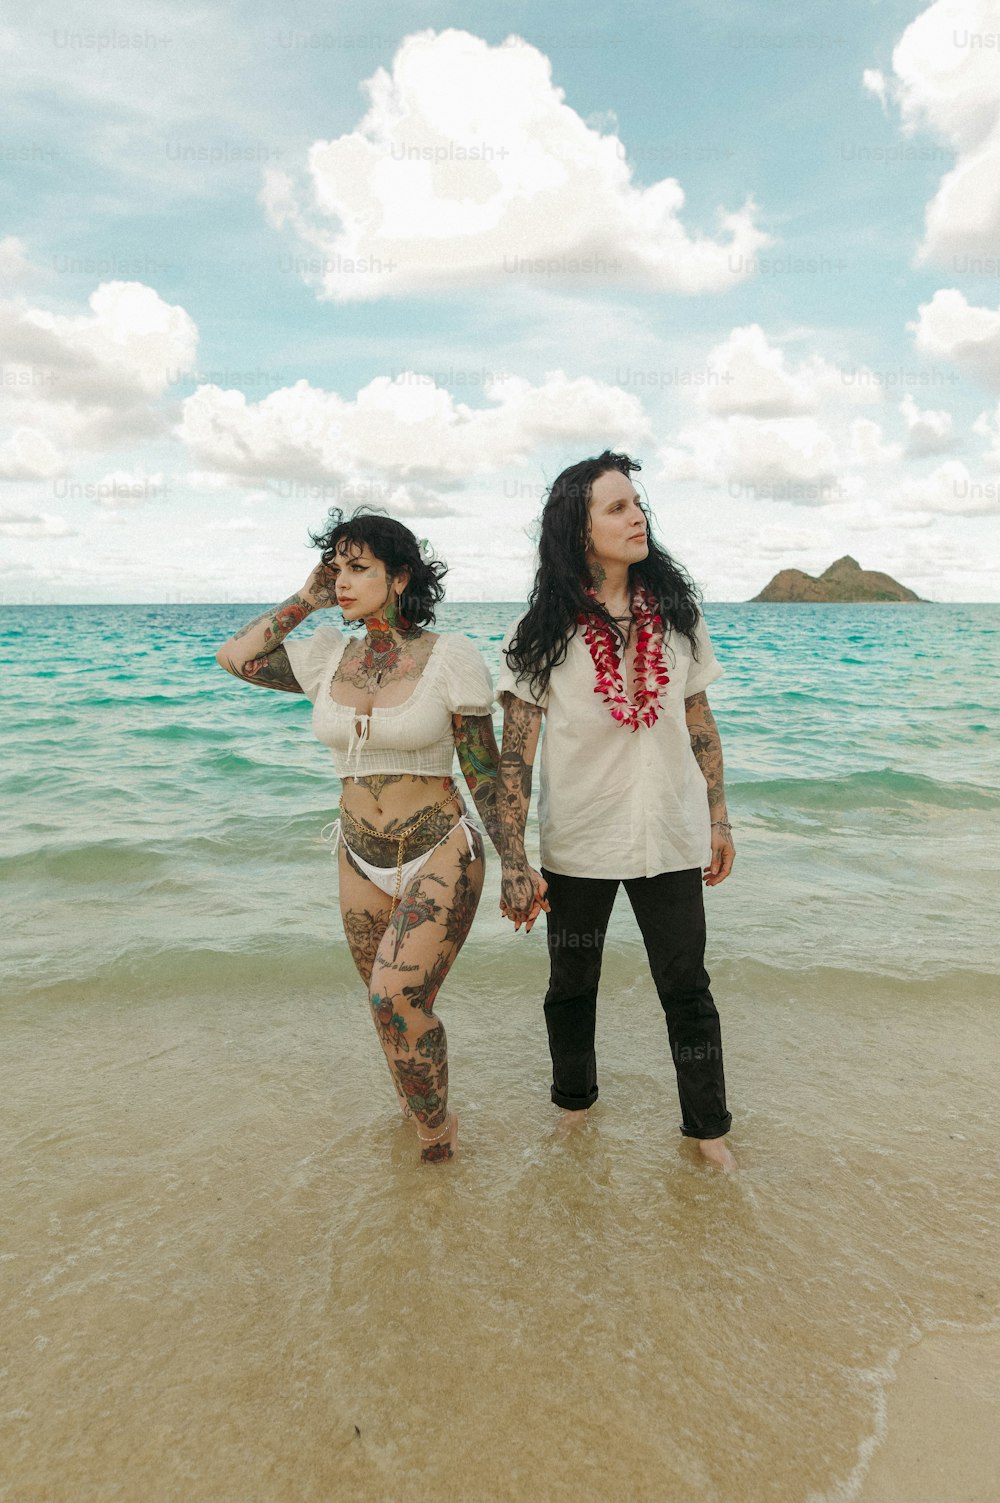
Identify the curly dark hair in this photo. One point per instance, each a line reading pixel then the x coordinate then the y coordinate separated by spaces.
pixel 393 545
pixel 558 594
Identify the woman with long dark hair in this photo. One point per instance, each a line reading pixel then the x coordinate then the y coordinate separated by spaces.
pixel 393 705
pixel 614 652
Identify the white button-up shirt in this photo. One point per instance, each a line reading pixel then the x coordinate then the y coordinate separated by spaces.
pixel 614 802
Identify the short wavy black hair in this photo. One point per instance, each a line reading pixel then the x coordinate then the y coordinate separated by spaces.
pixel 395 546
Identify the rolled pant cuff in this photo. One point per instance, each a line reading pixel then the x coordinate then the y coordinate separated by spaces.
pixel 711 1129
pixel 574 1103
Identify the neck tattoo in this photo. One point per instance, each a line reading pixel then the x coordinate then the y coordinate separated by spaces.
pixel 381 651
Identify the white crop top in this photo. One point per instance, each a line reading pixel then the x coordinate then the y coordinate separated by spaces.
pixel 413 737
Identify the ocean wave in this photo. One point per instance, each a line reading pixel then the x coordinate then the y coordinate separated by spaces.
pixel 89 861
pixel 881 788
pixel 309 962
pixel 180 731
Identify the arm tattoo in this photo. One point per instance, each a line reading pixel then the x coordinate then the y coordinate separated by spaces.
pixel 521 722
pixel 277 623
pixel 263 660
pixel 273 671
pixel 479 758
pixel 707 748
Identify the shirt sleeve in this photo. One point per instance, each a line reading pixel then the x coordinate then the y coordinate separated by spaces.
pixel 510 683
pixel 705 668
pixel 468 686
pixel 311 656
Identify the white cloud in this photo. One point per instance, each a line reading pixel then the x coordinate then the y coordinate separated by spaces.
pixel 29 455
pixel 13 260
pixel 87 381
pixel 766 453
pixel 762 431
pixel 987 425
pixel 874 80
pixel 404 430
pixel 124 490
pixel 949 490
pixel 868 515
pixel 950 326
pixel 468 167
pixel 941 568
pixel 789 459
pixel 131 336
pixel 867 444
pixel 930 431
pixel 18 522
pixel 778 542
pixel 235 524
pixel 208 481
pixel 755 379
pixel 947 80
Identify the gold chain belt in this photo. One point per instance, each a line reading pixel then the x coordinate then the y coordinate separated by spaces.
pixel 401 837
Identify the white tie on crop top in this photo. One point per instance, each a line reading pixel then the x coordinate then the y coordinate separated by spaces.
pixel 414 737
pixel 359 737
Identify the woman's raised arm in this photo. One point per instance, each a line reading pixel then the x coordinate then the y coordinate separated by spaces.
pixel 255 654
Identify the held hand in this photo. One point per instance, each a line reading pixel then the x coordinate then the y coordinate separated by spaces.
pixel 320 588
pixel 723 856
pixel 522 896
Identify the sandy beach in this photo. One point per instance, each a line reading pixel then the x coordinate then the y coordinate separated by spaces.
pixel 942 1424
pixel 223 1274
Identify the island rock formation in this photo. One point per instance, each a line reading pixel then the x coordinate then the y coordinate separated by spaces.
pixel 844 581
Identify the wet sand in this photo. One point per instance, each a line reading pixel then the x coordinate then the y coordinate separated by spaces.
pixel 225 1276
pixel 942 1424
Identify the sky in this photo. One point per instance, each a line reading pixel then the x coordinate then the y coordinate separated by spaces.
pixel 258 265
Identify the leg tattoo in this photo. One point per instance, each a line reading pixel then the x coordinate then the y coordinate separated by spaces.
pixel 422 995
pixel 391 1027
pixel 414 909
pixel 421 1092
pixel 364 932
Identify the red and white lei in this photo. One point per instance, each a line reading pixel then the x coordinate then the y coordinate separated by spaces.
pixel 649 675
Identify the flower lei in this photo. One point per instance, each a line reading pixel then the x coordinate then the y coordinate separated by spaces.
pixel 650 674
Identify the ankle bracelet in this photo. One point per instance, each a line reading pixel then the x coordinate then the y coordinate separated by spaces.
pixel 446 1129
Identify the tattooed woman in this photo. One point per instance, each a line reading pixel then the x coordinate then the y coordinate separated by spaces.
pixel 613 651
pixel 393 705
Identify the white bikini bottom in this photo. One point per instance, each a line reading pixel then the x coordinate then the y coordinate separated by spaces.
pixel 385 877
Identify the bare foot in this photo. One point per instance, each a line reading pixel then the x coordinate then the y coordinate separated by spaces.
pixel 716 1152
pixel 443 1144
pixel 569 1122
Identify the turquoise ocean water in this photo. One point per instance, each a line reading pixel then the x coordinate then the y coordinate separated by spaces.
pixel 226 1277
pixel 149 796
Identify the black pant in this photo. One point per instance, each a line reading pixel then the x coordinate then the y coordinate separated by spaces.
pixel 670 911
